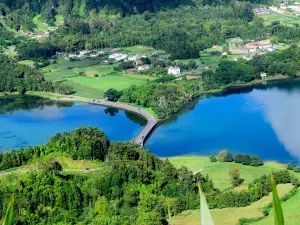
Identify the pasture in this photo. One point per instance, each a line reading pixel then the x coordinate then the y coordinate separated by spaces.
pixel 289 20
pixel 290 211
pixel 81 76
pixel 219 172
pixel 39 23
pixel 230 216
pixel 118 82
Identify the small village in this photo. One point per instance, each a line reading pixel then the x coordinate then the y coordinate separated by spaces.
pixel 284 8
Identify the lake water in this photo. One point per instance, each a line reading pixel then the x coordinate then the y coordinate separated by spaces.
pixel 261 120
pixel 27 121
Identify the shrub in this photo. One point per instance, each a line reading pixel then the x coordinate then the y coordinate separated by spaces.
pixel 213 159
pixel 295 181
pixel 296 169
pixel 290 167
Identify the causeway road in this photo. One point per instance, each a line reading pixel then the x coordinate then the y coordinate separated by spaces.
pixel 151 120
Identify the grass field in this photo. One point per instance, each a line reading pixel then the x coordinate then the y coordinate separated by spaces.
pixel 230 216
pixel 64 64
pixel 26 62
pixel 106 82
pixel 269 18
pixel 85 91
pixel 66 162
pixel 39 23
pixel 59 20
pixel 90 86
pixel 219 172
pixel 140 50
pixel 290 210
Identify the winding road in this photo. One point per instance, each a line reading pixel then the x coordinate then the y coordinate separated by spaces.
pixel 151 120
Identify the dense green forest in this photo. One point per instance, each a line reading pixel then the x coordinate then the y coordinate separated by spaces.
pixel 132 187
pixel 22 78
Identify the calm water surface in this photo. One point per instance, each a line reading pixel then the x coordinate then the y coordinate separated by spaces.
pixel 27 121
pixel 261 120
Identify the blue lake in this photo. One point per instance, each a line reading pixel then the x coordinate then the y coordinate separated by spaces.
pixel 27 121
pixel 261 120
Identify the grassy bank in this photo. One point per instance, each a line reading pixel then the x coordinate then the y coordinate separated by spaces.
pixel 219 172
pixel 230 216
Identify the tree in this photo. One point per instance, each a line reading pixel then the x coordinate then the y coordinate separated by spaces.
pixel 225 156
pixel 213 159
pixel 51 166
pixel 246 160
pixel 235 178
pixel 238 158
pixel 256 161
pixel 228 158
pixel 112 95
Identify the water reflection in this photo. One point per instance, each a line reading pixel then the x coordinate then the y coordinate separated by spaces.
pixel 258 120
pixel 111 111
pixel 28 120
pixel 281 109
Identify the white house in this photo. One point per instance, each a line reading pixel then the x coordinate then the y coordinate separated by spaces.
pixel 263 75
pixel 117 56
pixel 143 67
pixel 175 70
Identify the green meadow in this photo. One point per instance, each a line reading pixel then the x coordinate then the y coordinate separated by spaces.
pixel 286 20
pixel 231 216
pixel 219 172
pixel 81 75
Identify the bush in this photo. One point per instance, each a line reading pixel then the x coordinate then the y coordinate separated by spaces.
pixel 295 182
pixel 256 161
pixel 213 159
pixel 296 169
pixel 290 167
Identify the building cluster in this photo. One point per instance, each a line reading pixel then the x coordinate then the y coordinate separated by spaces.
pixel 294 7
pixel 261 11
pixel 259 48
pixel 84 54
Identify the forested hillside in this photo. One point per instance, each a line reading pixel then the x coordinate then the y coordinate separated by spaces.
pixel 132 186
pixel 15 77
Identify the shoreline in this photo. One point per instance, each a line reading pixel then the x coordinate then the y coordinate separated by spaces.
pixel 139 139
pixel 147 114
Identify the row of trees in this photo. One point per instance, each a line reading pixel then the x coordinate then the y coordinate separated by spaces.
pixel 225 156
